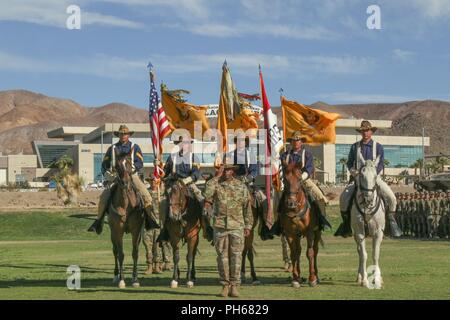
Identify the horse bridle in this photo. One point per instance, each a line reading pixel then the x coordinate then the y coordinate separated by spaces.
pixel 179 203
pixel 303 211
pixel 376 188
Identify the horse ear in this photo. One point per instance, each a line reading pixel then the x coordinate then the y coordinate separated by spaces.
pixel 377 161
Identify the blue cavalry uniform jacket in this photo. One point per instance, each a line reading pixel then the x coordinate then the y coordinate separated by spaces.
pixel 367 151
pixel 181 168
pixel 296 157
pixel 246 163
pixel 123 149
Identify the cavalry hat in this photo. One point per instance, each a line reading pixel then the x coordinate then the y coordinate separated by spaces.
pixel 124 130
pixel 366 125
pixel 297 136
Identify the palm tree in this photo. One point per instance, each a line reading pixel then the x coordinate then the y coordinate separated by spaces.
pixel 442 161
pixel 68 184
pixel 417 165
pixel 386 163
pixel 343 163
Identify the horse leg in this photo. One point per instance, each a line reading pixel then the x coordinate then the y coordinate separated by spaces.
pixel 292 241
pixel 121 256
pixel 193 278
pixel 250 254
pixel 116 264
pixel 192 241
pixel 317 237
pixel 310 255
pixel 376 245
pixel 361 247
pixel 176 260
pixel 136 227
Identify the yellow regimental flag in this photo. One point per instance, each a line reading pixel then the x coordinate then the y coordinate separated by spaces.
pixel 182 114
pixel 316 125
pixel 234 112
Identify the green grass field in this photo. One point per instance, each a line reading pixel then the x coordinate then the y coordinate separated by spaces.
pixel 36 248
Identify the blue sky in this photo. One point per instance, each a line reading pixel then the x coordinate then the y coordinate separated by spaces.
pixel 314 50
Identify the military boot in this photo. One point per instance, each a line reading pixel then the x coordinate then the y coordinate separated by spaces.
pixel 149 269
pixel 234 292
pixel 345 229
pixel 225 290
pixel 393 230
pixel 167 266
pixel 157 268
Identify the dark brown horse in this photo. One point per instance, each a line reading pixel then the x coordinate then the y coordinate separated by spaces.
pixel 184 222
pixel 298 219
pixel 125 214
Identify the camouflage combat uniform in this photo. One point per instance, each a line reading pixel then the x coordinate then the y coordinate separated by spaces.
pixel 152 250
pixel 413 215
pixel 405 215
pixel 232 214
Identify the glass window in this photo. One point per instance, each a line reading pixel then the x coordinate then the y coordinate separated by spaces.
pixel 98 167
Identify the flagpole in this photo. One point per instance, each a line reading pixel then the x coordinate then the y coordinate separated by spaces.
pixel 283 116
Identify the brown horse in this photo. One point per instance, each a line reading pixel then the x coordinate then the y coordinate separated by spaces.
pixel 298 219
pixel 125 214
pixel 184 222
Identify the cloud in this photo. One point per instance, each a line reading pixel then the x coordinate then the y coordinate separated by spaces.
pixel 245 64
pixel 53 13
pixel 403 55
pixel 353 98
pixel 432 9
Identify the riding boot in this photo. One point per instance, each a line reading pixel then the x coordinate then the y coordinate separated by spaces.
pixel 163 235
pixel 276 229
pixel 323 222
pixel 151 221
pixel 394 231
pixel 345 229
pixel 97 226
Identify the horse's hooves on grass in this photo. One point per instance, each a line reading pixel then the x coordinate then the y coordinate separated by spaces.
pixel 256 282
pixel 122 284
pixel 174 284
pixel 296 284
pixel 136 284
pixel 190 284
pixel 313 283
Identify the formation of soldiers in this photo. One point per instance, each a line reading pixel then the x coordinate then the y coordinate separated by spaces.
pixel 424 214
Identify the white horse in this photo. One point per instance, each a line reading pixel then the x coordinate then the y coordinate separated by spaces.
pixel 368 208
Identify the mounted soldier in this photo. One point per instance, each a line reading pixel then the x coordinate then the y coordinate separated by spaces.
pixel 369 150
pixel 299 155
pixel 123 147
pixel 184 166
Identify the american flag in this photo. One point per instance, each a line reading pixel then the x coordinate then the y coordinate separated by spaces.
pixel 159 125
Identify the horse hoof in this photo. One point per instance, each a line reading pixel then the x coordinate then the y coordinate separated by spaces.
pixel 296 284
pixel 122 284
pixel 365 283
pixel 190 284
pixel 136 284
pixel 256 282
pixel 313 283
pixel 174 284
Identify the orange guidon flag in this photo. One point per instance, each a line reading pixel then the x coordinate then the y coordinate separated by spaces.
pixel 182 114
pixel 234 111
pixel 318 126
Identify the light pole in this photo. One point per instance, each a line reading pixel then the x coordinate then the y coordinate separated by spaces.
pixel 422 171
pixel 101 138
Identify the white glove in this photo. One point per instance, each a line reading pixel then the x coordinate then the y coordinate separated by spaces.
pixel 305 176
pixel 187 180
pixel 109 176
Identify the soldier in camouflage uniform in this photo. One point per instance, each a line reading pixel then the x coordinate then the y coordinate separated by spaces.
pixel 413 213
pixel 405 214
pixel 398 213
pixel 422 216
pixel 232 221
pixel 428 213
pixel 445 220
pixel 435 213
pixel 152 250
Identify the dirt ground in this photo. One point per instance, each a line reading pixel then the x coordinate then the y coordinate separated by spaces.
pixel 27 199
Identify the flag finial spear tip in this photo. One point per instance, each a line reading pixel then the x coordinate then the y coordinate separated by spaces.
pixel 150 65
